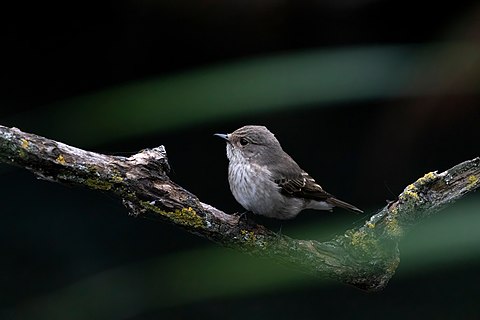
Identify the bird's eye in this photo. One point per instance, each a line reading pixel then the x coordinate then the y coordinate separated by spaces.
pixel 243 141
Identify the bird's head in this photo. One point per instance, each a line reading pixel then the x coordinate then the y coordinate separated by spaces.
pixel 248 142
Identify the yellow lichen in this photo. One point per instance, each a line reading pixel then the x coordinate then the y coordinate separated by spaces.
pixel 185 216
pixel 357 238
pixel 116 178
pixel 98 184
pixel 362 240
pixel 22 153
pixel 393 209
pixel 410 192
pixel 91 168
pixel 60 159
pixel 248 235
pixel 370 225
pixel 24 143
pixel 472 181
pixel 24 146
pixel 427 178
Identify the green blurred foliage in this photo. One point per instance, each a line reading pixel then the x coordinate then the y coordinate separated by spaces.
pixel 259 85
pixel 200 275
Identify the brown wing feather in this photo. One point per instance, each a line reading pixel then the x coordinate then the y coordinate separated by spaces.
pixel 295 182
pixel 304 186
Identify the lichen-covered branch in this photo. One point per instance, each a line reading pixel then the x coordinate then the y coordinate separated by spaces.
pixel 365 257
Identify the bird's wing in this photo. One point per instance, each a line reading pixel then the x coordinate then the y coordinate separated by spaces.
pixel 302 186
pixel 295 182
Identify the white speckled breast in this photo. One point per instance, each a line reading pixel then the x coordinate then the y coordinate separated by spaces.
pixel 253 187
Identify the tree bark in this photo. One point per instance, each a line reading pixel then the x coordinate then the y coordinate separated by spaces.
pixel 365 257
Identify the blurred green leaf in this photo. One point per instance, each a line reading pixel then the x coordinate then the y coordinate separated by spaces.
pixel 256 85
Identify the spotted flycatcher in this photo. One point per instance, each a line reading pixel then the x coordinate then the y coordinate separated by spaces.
pixel 265 180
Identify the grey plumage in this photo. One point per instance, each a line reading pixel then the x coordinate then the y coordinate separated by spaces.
pixel 264 179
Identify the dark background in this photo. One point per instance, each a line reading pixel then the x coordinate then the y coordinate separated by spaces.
pixel 97 75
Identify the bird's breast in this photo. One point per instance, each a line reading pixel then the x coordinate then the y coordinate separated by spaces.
pixel 253 187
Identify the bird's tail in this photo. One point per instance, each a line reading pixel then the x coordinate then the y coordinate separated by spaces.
pixel 342 204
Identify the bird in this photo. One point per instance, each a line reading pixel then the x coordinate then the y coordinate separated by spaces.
pixel 265 180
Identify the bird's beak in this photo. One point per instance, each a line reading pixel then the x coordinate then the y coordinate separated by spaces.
pixel 222 135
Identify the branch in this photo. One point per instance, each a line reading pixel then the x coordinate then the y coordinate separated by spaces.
pixel 365 257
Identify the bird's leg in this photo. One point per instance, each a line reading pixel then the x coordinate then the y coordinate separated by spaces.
pixel 280 230
pixel 241 215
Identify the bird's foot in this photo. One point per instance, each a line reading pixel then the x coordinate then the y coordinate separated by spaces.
pixel 241 215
